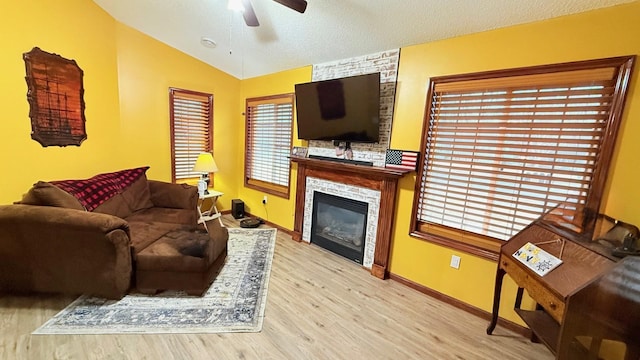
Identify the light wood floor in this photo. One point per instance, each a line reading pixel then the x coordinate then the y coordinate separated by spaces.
pixel 320 306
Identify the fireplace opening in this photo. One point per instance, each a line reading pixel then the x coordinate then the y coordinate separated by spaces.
pixel 339 225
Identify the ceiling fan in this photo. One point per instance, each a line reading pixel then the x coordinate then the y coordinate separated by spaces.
pixel 251 19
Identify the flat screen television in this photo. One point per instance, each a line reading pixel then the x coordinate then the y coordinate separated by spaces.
pixel 344 109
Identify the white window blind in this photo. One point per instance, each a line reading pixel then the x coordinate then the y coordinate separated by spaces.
pixel 501 151
pixel 269 123
pixel 191 130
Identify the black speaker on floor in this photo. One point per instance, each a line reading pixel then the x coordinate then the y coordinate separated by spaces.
pixel 237 208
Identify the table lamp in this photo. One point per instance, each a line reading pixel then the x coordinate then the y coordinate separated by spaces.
pixel 205 165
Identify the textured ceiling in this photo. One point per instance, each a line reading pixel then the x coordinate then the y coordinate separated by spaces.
pixel 329 29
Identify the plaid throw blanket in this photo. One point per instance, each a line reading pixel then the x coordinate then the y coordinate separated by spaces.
pixel 100 188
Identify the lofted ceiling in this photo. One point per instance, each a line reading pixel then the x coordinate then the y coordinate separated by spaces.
pixel 329 29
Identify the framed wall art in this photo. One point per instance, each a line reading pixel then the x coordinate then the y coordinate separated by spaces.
pixel 56 99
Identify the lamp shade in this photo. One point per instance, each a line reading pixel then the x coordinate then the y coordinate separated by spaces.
pixel 205 163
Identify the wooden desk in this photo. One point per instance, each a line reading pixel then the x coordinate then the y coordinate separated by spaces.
pixel 581 266
pixel 605 312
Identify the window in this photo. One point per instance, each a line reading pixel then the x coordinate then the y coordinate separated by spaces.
pixel 269 123
pixel 191 115
pixel 503 147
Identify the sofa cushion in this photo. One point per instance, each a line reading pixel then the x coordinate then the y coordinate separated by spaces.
pixel 137 194
pixel 45 194
pixel 177 196
pixel 116 206
pixel 182 260
pixel 166 215
pixel 145 233
pixel 179 251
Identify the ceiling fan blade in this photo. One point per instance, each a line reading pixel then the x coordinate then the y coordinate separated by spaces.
pixel 249 15
pixel 297 5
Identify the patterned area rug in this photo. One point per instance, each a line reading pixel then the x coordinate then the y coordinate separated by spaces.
pixel 235 301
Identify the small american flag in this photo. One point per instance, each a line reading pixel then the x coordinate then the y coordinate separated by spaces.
pixel 401 160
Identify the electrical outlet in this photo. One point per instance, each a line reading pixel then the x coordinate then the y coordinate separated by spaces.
pixel 455 262
pixel 264 199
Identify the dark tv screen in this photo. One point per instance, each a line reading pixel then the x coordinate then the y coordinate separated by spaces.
pixel 344 109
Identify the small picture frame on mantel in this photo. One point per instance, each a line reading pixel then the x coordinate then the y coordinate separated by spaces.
pixel 299 151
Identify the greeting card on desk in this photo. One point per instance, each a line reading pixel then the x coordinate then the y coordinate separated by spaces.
pixel 536 259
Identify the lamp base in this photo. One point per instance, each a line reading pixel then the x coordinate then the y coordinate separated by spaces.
pixel 202 187
pixel 206 181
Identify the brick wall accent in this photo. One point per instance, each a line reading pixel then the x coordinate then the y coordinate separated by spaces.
pixel 385 62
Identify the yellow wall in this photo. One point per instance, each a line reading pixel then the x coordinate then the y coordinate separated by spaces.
pixel 278 210
pixel 596 34
pixel 126 79
pixel 147 69
pixel 77 30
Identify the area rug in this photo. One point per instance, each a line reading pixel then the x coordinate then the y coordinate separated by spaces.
pixel 235 302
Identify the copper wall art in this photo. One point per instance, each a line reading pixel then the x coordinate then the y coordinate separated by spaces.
pixel 55 98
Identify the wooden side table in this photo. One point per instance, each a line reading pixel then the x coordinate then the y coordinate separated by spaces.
pixel 212 213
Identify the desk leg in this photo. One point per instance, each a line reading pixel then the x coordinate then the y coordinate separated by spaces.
pixel 496 300
pixel 518 302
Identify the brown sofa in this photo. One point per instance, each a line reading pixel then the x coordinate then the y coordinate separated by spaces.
pixel 83 236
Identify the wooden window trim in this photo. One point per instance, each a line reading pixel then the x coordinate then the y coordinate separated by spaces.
pixel 196 95
pixel 486 247
pixel 256 184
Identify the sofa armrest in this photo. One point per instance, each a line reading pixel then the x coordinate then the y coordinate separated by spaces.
pixel 51 249
pixel 175 196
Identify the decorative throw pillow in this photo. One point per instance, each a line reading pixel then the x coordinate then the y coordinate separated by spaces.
pixel 45 194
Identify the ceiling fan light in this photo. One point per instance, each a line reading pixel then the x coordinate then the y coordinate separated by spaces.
pixel 235 5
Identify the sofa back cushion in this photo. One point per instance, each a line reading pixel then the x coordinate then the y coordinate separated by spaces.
pixel 93 192
pixel 116 206
pixel 137 194
pixel 175 196
pixel 45 194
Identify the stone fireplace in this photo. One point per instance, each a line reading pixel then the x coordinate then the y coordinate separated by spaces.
pixel 374 186
pixel 339 225
pixel 369 197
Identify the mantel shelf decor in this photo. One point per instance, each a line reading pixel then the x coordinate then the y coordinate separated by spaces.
pixel 55 98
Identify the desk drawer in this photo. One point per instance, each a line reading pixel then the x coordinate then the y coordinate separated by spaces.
pixel 536 289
